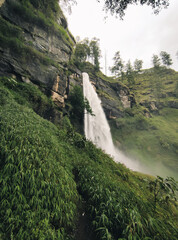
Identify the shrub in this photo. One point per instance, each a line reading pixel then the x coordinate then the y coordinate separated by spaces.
pixel 79 104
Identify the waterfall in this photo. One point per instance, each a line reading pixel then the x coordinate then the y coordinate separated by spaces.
pixel 97 129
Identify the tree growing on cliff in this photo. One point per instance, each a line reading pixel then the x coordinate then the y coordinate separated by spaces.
pixel 78 104
pixel 117 69
pixel 95 52
pixel 166 58
pixel 87 50
pixel 81 52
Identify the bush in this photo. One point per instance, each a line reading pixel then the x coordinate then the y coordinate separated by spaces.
pixel 79 104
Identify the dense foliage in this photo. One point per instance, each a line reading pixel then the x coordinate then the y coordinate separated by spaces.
pixel 87 50
pixel 119 7
pixel 47 172
pixel 79 104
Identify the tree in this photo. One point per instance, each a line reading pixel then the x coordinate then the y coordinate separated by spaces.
pixel 129 73
pixel 79 104
pixel 156 61
pixel 117 69
pixel 87 43
pixel 95 52
pixel 138 65
pixel 166 58
pixel 80 54
pixel 118 7
pixel 85 50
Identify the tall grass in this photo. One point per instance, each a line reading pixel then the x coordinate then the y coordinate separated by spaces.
pixel 46 171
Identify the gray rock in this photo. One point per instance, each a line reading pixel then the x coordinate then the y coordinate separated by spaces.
pixel 42 41
pixel 115 97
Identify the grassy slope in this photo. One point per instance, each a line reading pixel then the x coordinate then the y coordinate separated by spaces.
pixel 152 140
pixel 46 172
pixel 156 85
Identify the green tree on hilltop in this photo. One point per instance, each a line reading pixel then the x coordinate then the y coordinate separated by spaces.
pixel 166 58
pixel 156 61
pixel 138 65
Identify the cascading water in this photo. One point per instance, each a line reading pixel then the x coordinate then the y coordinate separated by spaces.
pixel 97 128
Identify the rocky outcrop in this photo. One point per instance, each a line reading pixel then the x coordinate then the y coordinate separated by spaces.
pixel 115 97
pixel 45 51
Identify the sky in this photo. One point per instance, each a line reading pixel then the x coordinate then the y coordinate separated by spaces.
pixel 140 35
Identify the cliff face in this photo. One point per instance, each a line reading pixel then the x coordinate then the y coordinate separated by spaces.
pixel 34 47
pixel 114 95
pixel 115 98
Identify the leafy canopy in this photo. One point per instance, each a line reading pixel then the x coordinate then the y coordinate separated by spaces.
pixel 156 61
pixel 166 58
pixel 87 50
pixel 118 7
pixel 138 65
pixel 79 104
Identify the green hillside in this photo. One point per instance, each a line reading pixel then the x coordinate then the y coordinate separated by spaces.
pixel 149 131
pixel 49 175
pixel 55 184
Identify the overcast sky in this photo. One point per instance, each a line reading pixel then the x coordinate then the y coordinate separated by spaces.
pixel 140 35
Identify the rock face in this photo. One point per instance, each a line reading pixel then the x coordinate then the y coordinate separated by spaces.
pixel 38 50
pixel 45 52
pixel 118 99
pixel 115 97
